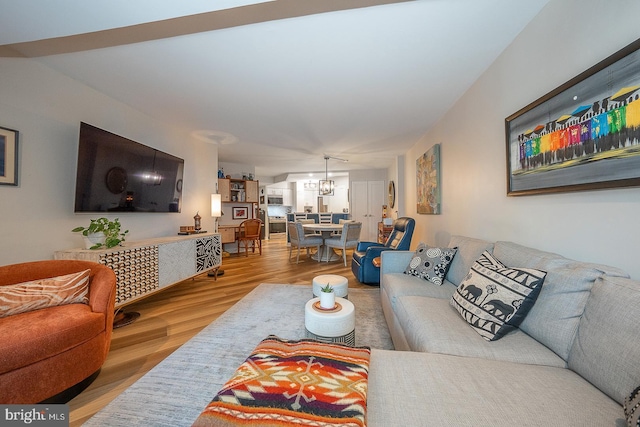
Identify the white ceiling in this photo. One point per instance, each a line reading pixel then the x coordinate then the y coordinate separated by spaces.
pixel 288 79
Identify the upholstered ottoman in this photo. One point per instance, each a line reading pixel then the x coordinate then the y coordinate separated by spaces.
pixel 340 285
pixel 336 325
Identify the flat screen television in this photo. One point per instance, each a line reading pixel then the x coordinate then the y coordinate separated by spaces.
pixel 116 174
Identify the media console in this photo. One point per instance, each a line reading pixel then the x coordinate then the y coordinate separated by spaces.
pixel 148 266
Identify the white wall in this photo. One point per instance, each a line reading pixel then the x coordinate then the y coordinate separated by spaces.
pixel 46 108
pixel 566 38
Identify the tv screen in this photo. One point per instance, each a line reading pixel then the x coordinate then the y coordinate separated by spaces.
pixel 116 174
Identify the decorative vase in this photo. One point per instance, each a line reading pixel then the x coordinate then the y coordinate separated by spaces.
pixel 327 300
pixel 93 239
pixel 197 223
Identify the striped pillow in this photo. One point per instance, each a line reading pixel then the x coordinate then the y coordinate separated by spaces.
pixel 43 293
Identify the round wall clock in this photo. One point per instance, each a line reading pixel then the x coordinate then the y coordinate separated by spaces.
pixel 392 194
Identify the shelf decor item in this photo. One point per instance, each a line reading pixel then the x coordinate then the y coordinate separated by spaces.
pixel 197 222
pixel 583 135
pixel 102 233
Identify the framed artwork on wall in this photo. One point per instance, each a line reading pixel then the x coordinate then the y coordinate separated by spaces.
pixel 584 135
pixel 8 156
pixel 428 181
pixel 239 213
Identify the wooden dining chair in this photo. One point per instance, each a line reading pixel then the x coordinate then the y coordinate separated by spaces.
pixel 250 235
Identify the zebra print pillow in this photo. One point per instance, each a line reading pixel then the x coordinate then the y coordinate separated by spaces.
pixel 43 293
pixel 632 408
pixel 494 299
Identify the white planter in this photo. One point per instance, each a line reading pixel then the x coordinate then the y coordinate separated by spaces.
pixel 327 300
pixel 93 239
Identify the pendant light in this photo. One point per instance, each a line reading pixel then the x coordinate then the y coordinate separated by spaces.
pixel 326 186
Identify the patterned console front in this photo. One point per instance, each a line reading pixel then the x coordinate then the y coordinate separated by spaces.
pixel 208 252
pixel 145 267
pixel 136 271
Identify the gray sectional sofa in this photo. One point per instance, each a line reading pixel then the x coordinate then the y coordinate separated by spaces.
pixel 573 360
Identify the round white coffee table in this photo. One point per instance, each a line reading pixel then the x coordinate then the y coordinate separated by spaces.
pixel 337 325
pixel 340 284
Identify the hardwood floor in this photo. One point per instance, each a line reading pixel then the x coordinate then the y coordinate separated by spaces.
pixel 171 317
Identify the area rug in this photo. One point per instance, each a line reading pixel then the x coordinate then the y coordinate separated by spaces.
pixel 174 392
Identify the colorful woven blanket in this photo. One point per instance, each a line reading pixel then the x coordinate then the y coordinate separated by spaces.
pixel 287 383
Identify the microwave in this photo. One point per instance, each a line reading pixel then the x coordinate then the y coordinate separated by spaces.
pixel 274 200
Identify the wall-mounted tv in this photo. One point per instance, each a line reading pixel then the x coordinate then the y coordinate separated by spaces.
pixel 116 174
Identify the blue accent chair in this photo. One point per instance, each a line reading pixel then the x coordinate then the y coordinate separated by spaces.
pixel 362 262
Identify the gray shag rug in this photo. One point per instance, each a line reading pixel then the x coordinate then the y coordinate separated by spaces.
pixel 175 392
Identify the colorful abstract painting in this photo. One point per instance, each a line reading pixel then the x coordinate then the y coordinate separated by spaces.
pixel 428 181
pixel 584 135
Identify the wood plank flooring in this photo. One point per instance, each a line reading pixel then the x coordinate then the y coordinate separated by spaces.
pixel 170 318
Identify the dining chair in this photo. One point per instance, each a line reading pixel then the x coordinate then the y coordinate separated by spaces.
pixel 250 235
pixel 325 218
pixel 300 240
pixel 342 221
pixel 348 239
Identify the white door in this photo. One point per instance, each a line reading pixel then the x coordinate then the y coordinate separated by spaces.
pixel 367 198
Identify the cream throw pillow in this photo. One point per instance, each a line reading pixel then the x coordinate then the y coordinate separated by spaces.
pixel 43 293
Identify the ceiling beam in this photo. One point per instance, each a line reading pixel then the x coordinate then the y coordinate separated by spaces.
pixel 192 24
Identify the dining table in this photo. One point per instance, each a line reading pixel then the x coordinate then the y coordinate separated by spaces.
pixel 326 230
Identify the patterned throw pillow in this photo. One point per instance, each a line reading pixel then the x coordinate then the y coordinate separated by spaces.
pixel 632 408
pixel 431 264
pixel 494 299
pixel 43 293
pixel 294 383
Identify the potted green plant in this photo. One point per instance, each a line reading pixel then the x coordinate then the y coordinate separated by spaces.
pixel 102 233
pixel 327 297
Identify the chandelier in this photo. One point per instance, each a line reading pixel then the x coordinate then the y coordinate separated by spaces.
pixel 326 187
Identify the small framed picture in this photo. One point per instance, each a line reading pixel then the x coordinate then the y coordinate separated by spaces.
pixel 8 156
pixel 239 213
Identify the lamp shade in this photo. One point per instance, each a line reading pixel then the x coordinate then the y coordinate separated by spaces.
pixel 216 205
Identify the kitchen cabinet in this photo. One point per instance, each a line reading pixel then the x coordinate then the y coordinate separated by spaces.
pixel 238 190
pixel 287 197
pixel 224 188
pixel 251 189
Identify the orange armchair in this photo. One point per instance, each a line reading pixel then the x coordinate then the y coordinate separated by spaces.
pixel 51 354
